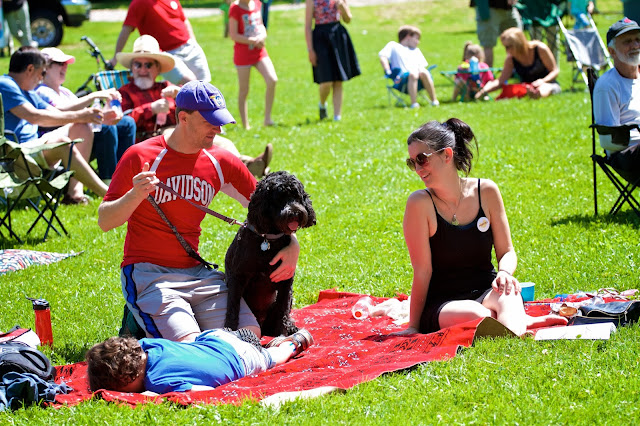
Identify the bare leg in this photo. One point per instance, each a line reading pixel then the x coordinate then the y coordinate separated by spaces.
pixel 243 91
pixel 510 312
pixel 324 89
pixel 80 131
pixel 337 100
pixel 265 67
pixel 412 88
pixel 83 172
pixel 488 56
pixel 427 82
pixel 460 311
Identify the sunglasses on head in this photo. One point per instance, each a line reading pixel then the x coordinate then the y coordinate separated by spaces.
pixel 147 65
pixel 421 159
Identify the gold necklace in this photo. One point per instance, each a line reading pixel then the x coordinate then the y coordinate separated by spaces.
pixel 454 219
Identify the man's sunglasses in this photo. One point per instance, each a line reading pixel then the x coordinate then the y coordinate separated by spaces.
pixel 147 65
pixel 421 159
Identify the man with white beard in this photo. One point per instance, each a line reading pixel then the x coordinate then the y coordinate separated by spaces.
pixel 152 103
pixel 616 97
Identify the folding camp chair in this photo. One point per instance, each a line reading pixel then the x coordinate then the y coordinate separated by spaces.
pixel 585 48
pixel 23 180
pixel 619 135
pixel 472 83
pixel 539 18
pixel 400 93
pixel 113 79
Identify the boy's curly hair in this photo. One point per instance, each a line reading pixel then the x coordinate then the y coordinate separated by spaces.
pixel 114 363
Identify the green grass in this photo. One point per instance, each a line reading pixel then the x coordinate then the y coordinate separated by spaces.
pixel 537 152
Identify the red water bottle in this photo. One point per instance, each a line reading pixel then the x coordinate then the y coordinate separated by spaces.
pixel 43 321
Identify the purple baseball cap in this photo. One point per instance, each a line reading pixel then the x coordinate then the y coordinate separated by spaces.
pixel 622 26
pixel 200 96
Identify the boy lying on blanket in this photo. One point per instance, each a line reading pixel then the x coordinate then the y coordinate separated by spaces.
pixel 216 357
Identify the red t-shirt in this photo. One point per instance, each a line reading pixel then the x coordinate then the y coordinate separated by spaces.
pixel 162 19
pixel 249 24
pixel 197 177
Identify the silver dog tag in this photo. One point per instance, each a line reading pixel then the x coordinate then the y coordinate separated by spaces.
pixel 265 245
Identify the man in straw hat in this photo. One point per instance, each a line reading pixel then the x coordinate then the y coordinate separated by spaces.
pixel 616 97
pixel 152 103
pixel 166 22
pixel 171 293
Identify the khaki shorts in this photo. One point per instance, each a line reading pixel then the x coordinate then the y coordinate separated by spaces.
pixel 174 302
pixel 499 20
pixel 62 131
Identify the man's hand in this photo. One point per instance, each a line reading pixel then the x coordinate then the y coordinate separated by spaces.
pixel 144 183
pixel 161 105
pixel 289 256
pixel 170 91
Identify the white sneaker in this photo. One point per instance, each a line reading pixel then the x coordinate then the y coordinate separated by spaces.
pixel 435 103
pixel 415 105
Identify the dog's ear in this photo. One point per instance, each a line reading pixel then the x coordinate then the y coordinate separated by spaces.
pixel 311 214
pixel 259 206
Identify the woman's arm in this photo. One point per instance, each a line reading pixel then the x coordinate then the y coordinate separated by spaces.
pixel 85 101
pixel 308 34
pixel 549 62
pixel 416 235
pixel 345 12
pixel 505 75
pixel 505 253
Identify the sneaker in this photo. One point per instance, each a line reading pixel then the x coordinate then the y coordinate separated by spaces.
pixel 415 105
pixel 323 112
pixel 301 339
pixel 435 103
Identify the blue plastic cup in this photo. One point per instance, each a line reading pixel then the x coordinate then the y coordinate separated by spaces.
pixel 528 291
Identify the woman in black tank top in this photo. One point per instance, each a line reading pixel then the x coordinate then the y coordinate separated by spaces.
pixel 533 62
pixel 450 229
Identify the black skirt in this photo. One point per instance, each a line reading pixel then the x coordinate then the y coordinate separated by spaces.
pixel 337 59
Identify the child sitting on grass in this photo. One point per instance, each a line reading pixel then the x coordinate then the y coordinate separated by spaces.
pixel 216 357
pixel 463 78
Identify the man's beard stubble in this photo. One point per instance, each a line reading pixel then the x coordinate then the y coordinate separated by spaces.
pixel 144 83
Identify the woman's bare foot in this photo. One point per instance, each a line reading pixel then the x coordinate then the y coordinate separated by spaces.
pixel 546 321
pixel 269 123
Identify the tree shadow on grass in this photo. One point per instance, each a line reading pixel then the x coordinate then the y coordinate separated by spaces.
pixel 626 217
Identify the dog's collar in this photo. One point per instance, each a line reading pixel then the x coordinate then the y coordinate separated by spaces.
pixel 267 237
pixel 270 237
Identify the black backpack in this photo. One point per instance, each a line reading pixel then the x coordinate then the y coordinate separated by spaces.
pixel 20 358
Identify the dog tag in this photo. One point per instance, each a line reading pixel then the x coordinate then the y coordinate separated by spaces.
pixel 265 245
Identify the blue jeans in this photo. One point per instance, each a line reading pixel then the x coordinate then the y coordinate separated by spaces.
pixel 110 143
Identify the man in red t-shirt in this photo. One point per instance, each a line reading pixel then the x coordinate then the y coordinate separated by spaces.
pixel 166 22
pixel 152 103
pixel 171 294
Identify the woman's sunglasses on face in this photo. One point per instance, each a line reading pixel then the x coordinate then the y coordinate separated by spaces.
pixel 147 65
pixel 421 159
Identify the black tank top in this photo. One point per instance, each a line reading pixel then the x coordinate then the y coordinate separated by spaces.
pixel 461 256
pixel 533 72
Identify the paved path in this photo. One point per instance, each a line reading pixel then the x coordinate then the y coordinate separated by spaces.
pixel 118 15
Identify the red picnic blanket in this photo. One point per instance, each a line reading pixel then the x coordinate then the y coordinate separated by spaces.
pixel 346 352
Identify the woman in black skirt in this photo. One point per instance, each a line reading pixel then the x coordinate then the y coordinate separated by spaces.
pixel 330 50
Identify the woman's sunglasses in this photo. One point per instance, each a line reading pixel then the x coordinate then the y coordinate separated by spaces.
pixel 421 159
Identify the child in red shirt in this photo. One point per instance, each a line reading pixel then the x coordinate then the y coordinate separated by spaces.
pixel 249 33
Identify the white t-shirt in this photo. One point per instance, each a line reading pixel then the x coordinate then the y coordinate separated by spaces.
pixel 616 101
pixel 404 58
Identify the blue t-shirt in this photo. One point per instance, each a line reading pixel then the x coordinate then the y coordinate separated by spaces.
pixel 176 367
pixel 13 96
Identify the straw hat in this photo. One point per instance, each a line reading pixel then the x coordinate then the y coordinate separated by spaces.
pixel 146 46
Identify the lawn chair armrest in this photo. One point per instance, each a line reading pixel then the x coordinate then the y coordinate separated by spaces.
pixel 620 135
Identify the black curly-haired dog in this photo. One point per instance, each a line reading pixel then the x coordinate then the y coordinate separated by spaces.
pixel 278 207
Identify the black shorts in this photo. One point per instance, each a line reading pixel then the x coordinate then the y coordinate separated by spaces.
pixel 429 320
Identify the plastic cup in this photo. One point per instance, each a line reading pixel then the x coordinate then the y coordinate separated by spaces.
pixel 528 291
